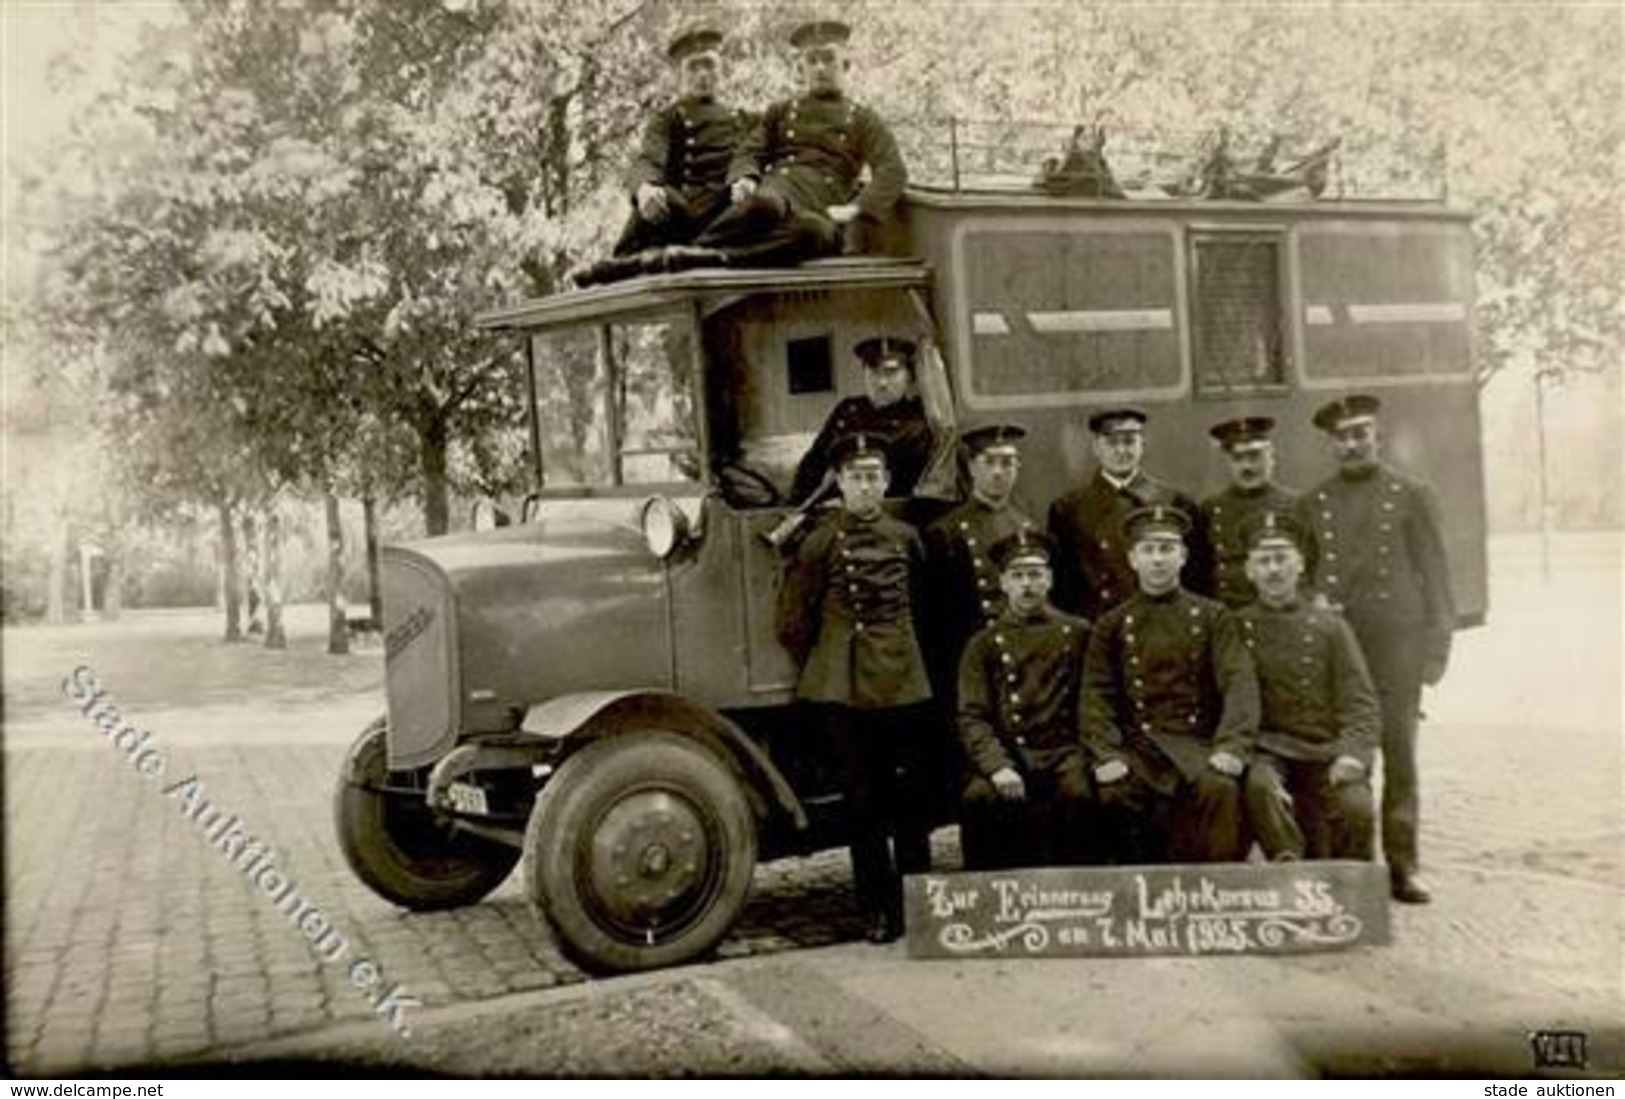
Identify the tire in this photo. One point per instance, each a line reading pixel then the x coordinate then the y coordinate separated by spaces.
pixel 401 849
pixel 640 851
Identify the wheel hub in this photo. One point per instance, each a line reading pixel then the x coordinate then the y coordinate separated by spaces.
pixel 648 858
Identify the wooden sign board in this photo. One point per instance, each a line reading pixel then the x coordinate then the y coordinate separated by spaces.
pixel 1132 911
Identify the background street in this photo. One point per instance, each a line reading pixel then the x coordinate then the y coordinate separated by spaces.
pixel 130 942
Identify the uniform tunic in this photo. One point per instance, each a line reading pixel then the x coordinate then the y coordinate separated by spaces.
pixel 966 596
pixel 1223 523
pixel 812 149
pixel 901 425
pixel 1092 572
pixel 807 155
pixel 1167 683
pixel 1381 558
pixel 687 147
pixel 1317 703
pixel 846 613
pixel 1018 690
pixel 1019 682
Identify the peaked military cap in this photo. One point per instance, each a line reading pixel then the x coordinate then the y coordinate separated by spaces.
pixel 1241 433
pixel 692 41
pixel 1108 420
pixel 986 436
pixel 1273 526
pixel 820 32
pixel 1144 522
pixel 881 350
pixel 1333 414
pixel 1025 544
pixel 859 444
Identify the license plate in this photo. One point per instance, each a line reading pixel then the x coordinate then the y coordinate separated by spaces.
pixel 468 798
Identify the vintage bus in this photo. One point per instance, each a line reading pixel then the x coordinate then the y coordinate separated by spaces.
pixel 597 688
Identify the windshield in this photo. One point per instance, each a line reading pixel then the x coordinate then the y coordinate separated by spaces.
pixel 615 405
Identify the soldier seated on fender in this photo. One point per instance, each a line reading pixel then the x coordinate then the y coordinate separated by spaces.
pixel 1170 708
pixel 1309 785
pixel 1026 800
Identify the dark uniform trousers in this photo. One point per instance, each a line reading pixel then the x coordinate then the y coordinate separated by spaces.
pixel 845 612
pixel 1294 808
pixel 1380 557
pixel 1092 573
pixel 882 758
pixel 686 148
pixel 1168 681
pixel 1018 690
pixel 1317 703
pixel 1050 826
pixel 806 155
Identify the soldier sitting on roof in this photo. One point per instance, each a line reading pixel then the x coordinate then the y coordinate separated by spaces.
pixel 679 180
pixel 795 186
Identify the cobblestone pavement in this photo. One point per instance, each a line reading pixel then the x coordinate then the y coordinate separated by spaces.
pixel 129 940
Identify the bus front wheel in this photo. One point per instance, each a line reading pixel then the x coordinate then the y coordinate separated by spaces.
pixel 640 851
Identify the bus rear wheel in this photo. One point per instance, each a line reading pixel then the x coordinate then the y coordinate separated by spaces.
pixel 640 851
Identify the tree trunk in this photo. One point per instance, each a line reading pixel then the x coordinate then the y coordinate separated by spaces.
pixel 338 620
pixel 113 585
pixel 231 581
pixel 275 638
pixel 253 574
pixel 375 594
pixel 432 443
pixel 56 602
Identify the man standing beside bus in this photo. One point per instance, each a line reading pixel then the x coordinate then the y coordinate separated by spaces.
pixel 965 581
pixel 1249 453
pixel 846 614
pixel 679 180
pixel 1170 709
pixel 1092 572
pixel 1381 561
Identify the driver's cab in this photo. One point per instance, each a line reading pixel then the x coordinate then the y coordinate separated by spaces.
pixel 693 397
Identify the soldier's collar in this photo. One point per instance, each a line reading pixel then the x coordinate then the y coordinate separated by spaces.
pixel 1121 483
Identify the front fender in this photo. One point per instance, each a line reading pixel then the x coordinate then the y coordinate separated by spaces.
pixel 592 714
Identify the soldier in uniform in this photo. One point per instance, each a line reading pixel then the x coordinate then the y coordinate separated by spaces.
pixel 1381 561
pixel 1223 518
pixel 1092 572
pixel 1170 709
pixel 795 181
pixel 679 180
pixel 1026 799
pixel 890 410
pixel 1308 788
pixel 965 582
pixel 846 614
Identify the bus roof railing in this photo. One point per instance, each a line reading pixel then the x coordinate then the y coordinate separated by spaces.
pixel 954 153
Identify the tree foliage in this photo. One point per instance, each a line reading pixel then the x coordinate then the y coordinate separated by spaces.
pixel 272 235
